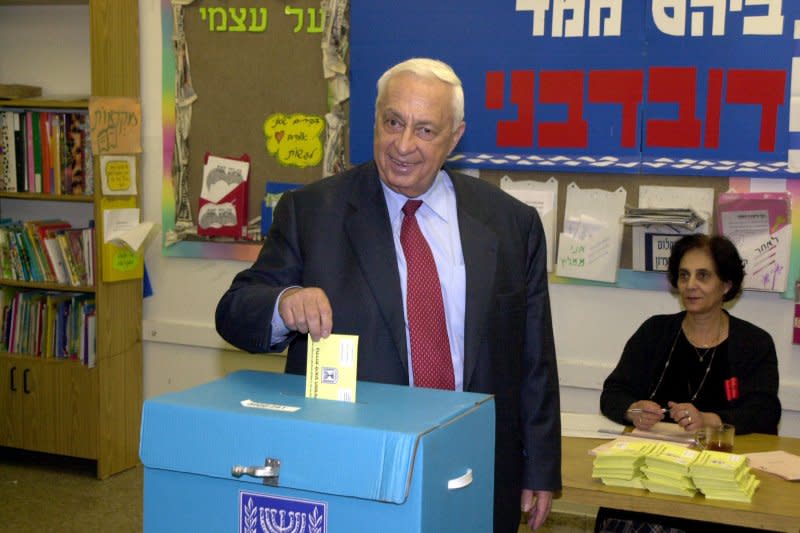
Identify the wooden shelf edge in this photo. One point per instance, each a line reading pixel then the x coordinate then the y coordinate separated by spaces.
pixel 46 286
pixel 43 197
pixel 43 2
pixel 47 102
pixel 43 360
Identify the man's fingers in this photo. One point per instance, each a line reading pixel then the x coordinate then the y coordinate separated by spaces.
pixel 307 310
pixel 318 314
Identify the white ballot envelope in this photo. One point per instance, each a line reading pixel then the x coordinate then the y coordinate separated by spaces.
pixel 590 243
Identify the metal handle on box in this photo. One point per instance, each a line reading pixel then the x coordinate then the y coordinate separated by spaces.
pixel 461 481
pixel 269 472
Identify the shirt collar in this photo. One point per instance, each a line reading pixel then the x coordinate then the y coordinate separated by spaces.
pixel 435 197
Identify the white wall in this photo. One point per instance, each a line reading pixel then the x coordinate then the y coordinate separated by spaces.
pixel 181 348
pixel 46 46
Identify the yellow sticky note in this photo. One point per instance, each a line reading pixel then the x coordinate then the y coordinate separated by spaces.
pixel 331 368
pixel 118 175
pixel 295 140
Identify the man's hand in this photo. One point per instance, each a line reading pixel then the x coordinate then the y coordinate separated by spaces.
pixel 307 310
pixel 537 504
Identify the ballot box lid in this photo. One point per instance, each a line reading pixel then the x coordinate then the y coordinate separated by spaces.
pixel 365 449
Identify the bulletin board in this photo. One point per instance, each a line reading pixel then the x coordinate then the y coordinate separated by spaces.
pixel 253 82
pixel 646 87
pixel 605 94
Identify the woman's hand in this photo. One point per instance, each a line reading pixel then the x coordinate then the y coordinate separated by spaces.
pixel 690 417
pixel 644 414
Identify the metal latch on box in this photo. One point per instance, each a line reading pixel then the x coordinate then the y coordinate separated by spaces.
pixel 269 472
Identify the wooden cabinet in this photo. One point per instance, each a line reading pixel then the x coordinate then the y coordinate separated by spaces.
pixel 52 406
pixel 64 407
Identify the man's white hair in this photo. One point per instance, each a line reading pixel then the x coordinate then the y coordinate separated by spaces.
pixel 427 68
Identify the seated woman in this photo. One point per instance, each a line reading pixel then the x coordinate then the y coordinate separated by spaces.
pixel 702 366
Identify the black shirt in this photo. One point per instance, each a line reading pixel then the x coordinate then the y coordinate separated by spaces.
pixel 685 377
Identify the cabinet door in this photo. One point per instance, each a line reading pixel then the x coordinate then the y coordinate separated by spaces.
pixel 11 416
pixel 75 410
pixel 38 400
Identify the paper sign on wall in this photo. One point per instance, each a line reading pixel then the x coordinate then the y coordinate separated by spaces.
pixel 118 175
pixel 119 262
pixel 223 197
pixel 590 243
pixel 543 196
pixel 116 125
pixel 759 224
pixel 652 243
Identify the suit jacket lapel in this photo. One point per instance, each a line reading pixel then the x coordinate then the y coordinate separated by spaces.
pixel 479 245
pixel 370 235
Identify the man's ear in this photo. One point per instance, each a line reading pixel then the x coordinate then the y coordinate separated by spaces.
pixel 457 134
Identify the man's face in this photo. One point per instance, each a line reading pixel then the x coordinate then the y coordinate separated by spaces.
pixel 414 132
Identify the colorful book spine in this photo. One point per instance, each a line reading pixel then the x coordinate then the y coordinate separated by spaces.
pixel 34 264
pixel 44 142
pixel 31 186
pixel 21 153
pixel 8 155
pixel 69 262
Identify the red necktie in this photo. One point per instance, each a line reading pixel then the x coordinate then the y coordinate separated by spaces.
pixel 430 347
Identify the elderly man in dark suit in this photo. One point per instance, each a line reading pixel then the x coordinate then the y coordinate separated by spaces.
pixel 336 260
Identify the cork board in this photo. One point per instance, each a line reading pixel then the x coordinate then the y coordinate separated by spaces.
pixel 249 64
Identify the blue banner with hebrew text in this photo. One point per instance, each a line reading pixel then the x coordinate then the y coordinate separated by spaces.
pixel 636 86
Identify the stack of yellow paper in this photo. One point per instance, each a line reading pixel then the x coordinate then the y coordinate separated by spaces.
pixel 620 463
pixel 667 471
pixel 724 476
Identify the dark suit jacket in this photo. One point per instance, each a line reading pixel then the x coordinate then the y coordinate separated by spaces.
pixel 335 234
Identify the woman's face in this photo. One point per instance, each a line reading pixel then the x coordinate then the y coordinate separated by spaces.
pixel 700 288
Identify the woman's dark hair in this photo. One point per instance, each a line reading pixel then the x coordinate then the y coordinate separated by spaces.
pixel 724 254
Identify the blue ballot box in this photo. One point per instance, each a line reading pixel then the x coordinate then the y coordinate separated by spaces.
pixel 251 453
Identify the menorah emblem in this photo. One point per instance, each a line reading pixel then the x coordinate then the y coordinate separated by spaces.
pixel 260 513
pixel 280 521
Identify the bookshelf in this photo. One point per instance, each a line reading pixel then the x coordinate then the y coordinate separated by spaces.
pixel 61 406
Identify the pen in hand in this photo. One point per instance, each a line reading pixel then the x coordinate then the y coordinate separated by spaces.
pixel 637 410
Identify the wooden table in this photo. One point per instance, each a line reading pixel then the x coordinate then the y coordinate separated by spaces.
pixel 775 505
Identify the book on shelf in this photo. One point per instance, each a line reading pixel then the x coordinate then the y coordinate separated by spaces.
pixel 44 143
pixel 90 339
pixel 6 261
pixel 48 324
pixel 35 272
pixel 76 134
pixel 39 230
pixel 75 240
pixel 55 303
pixel 55 150
pixel 47 251
pixel 30 169
pixel 71 244
pixel 45 151
pixel 6 296
pixel 18 253
pixel 40 266
pixel 88 252
pixel 8 155
pixel 21 152
pixel 36 137
pixel 66 252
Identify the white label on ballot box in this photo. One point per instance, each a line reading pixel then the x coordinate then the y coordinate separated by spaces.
pixel 270 406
